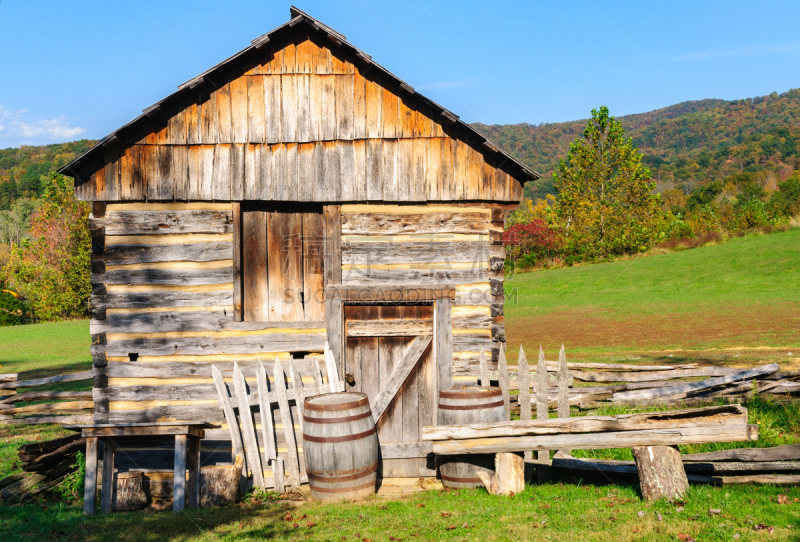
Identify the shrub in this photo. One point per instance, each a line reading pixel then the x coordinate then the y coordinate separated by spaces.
pixel 51 269
pixel 528 243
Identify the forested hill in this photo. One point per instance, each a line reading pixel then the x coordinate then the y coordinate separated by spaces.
pixel 686 144
pixel 24 169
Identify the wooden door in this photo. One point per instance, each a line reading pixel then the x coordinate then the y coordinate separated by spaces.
pixel 370 358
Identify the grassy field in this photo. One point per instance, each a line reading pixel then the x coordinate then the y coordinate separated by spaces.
pixel 737 304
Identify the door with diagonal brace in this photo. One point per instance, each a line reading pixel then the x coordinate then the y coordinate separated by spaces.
pixel 388 356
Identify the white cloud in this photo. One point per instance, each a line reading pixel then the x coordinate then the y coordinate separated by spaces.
pixel 738 52
pixel 17 131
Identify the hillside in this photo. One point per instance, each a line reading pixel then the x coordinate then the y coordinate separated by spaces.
pixel 686 144
pixel 732 303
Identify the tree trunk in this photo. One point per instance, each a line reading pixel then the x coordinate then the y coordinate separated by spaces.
pixel 219 485
pixel 509 478
pixel 130 493
pixel 661 472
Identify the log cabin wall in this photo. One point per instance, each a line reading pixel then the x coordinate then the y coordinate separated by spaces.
pixel 407 195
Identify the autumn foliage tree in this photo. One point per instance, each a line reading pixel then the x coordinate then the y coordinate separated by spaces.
pixel 52 268
pixel 605 203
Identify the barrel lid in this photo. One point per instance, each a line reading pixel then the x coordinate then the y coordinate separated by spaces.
pixel 336 401
pixel 471 392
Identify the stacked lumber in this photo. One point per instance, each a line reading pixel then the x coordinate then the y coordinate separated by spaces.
pixel 775 466
pixel 44 465
pixel 726 423
pixel 62 406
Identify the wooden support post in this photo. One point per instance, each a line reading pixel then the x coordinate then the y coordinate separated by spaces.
pixel 484 369
pixel 443 347
pixel 543 456
pixel 193 463
pixel 525 411
pixel 661 472
pixel 179 475
pixel 107 491
pixel 502 369
pixel 90 478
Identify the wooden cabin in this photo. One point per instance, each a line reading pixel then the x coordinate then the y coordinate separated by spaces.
pixel 294 194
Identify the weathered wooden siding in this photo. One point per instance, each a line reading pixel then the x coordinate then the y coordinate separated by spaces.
pixel 307 123
pixel 437 245
pixel 163 291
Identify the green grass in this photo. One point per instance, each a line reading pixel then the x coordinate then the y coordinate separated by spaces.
pixel 553 511
pixel 45 348
pixel 759 270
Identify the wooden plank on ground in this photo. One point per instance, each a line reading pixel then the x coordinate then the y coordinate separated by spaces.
pixel 681 390
pixel 789 452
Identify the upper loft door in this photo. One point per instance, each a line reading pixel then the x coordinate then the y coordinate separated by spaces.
pixel 282 263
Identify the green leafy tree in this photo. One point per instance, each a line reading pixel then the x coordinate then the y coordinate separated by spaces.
pixel 605 200
pixel 52 267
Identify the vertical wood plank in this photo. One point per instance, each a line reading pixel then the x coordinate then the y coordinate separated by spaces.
pixel 291 181
pixel 111 173
pixel 344 106
pixel 151 179
pixel 420 191
pixel 334 318
pixel 165 176
pixel 289 58
pixel 390 180
pixel 374 98
pixel 193 465
pixel 179 475
pixel 333 171
pixel 474 174
pixel 289 107
pixel 322 60
pixel 304 129
pixel 360 169
pixel 484 367
pixel 239 110
pixel 333 244
pixel 176 127
pixel 224 119
pixel 299 392
pixel 265 180
pixel 274 261
pixel 524 375
pixel 406 122
pixel 194 134
pixel 446 169
pixel 109 481
pixel 255 283
pixel 541 399
pixel 221 187
pixel 208 117
pixel 237 171
pixel 279 475
pixel 374 170
pixel 195 162
pixel 328 107
pixel 306 170
pixel 405 169
pixel 317 374
pixel 230 418
pixel 347 163
pixel 206 187
pixel 267 425
pixel 563 385
pixel 443 337
pixel 248 428
pixel 250 177
pixel 390 112
pixel 90 477
pixel 288 425
pixel 433 180
pixel 502 370
pixel 305 56
pixel 256 119
pixel 315 107
pixel 292 267
pixel 359 107
pixel 272 108
pixel 180 171
pixel 279 188
pixel 320 184
pixel 237 262
pixel 313 267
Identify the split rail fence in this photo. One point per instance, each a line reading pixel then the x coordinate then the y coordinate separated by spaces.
pixel 73 407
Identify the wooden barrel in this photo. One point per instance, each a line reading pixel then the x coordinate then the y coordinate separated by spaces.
pixel 340 445
pixel 460 406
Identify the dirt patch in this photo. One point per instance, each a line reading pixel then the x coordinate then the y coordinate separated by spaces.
pixel 710 334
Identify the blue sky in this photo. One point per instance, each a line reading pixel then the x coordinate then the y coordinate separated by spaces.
pixel 71 70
